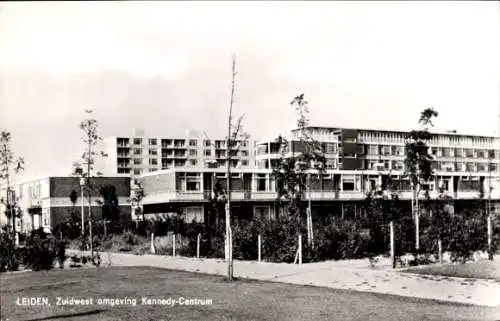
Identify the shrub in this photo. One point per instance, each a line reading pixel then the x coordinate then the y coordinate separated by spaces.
pixel 61 253
pixel 42 250
pixel 245 237
pixel 8 257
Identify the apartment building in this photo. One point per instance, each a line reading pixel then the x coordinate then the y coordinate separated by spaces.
pixel 358 161
pixel 46 202
pixel 465 160
pixel 140 154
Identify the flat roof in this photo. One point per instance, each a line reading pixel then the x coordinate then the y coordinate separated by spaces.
pixel 450 133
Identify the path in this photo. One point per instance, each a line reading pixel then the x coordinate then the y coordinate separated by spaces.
pixel 351 275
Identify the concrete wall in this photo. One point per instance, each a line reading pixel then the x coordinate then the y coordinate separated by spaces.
pixel 159 183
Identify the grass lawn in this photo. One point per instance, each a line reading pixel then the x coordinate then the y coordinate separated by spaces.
pixel 240 300
pixel 477 270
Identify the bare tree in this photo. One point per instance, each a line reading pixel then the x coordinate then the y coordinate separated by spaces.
pixel 232 133
pixel 418 163
pixel 293 173
pixel 8 165
pixel 86 168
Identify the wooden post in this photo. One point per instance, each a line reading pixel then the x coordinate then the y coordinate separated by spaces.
pixel 198 246
pixel 300 249
pixel 259 242
pixel 490 230
pixel 153 251
pixel 393 257
pixel 173 245
pixel 440 251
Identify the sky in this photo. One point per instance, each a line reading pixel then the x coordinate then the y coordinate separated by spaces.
pixel 166 67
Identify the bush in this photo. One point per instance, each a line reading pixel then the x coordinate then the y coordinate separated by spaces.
pixel 61 253
pixel 9 260
pixel 42 250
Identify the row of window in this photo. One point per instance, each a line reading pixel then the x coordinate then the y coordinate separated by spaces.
pixel 396 138
pixel 274 148
pixel 177 153
pixel 33 192
pixel 179 142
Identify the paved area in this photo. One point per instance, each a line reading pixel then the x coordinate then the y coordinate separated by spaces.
pixel 354 275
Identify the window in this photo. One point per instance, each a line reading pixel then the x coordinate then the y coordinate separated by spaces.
pixel 137 151
pixel 137 161
pixel 152 170
pixel 447 152
pixel 262 149
pixel 459 152
pixel 348 183
pixel 398 150
pixel 137 171
pixel 208 143
pixel 244 162
pixel 493 167
pixel 434 151
pixel 349 140
pixel 193 162
pixel 385 150
pixel 480 153
pixel 46 217
pixel 469 167
pixel 193 213
pixel 192 152
pixel 208 152
pixel 397 165
pixel 261 182
pixel 244 143
pixel 166 142
pixel 192 182
pixel 481 167
pixel 179 143
pixel 193 143
pixel 448 167
pixel 153 161
pixel 137 141
pixel 469 152
pixel 244 153
pixel 331 163
pixel 152 141
pixel 153 152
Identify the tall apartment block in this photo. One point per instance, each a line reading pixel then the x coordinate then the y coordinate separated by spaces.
pixel 139 154
pixel 358 160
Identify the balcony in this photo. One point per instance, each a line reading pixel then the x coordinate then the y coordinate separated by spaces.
pixel 470 194
pixel 123 155
pixel 123 165
pixel 126 145
pixel 179 155
pixel 263 195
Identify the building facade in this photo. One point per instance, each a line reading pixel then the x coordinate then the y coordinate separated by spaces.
pixel 140 154
pixel 466 167
pixel 46 202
